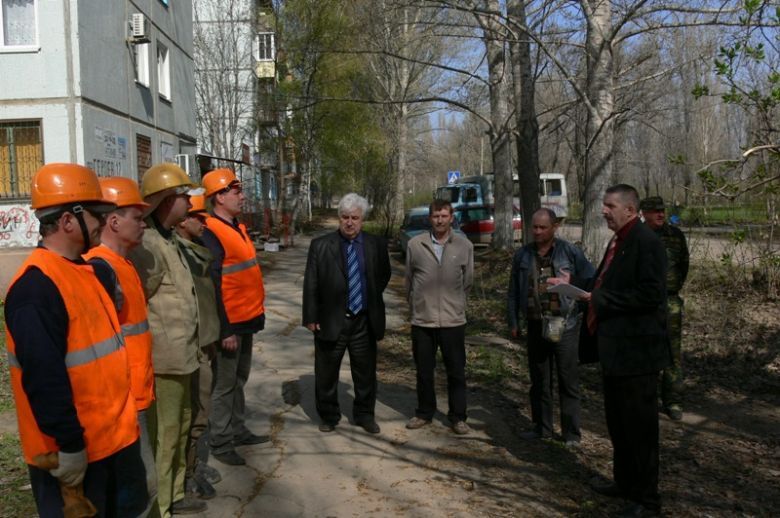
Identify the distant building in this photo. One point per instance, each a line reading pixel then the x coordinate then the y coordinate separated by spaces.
pixel 104 83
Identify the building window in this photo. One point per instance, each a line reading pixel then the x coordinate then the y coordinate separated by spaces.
pixel 163 71
pixel 264 47
pixel 143 154
pixel 21 155
pixel 141 52
pixel 18 27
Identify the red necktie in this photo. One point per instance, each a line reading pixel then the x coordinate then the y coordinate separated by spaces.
pixel 591 320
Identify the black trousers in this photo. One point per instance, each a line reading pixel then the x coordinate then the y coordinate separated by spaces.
pixel 425 341
pixel 543 357
pixel 356 338
pixel 631 407
pixel 116 486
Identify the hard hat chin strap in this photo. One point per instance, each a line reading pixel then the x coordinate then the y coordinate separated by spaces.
pixel 78 211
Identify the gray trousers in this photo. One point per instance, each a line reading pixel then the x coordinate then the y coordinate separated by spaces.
pixel 228 409
pixel 147 456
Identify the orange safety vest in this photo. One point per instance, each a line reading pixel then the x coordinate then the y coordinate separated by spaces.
pixel 242 280
pixel 95 358
pixel 135 325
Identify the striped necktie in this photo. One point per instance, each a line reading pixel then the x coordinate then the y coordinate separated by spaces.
pixel 355 301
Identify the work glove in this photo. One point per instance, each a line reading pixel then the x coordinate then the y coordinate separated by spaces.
pixel 72 467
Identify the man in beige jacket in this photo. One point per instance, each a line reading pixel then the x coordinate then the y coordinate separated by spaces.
pixel 439 272
pixel 173 319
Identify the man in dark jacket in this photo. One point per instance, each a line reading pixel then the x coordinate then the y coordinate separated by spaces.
pixel 346 273
pixel 528 300
pixel 626 319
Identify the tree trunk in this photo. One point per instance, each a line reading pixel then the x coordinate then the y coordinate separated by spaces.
pixel 600 127
pixel 527 125
pixel 500 131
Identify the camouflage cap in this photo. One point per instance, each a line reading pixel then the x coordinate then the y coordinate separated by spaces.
pixel 652 203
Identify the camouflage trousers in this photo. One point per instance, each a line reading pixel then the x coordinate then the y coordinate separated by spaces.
pixel 672 376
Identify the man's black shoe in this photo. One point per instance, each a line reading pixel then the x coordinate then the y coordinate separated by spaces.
pixel 327 427
pixel 369 426
pixel 211 475
pixel 532 435
pixel 199 487
pixel 231 458
pixel 252 439
pixel 635 511
pixel 188 505
pixel 606 488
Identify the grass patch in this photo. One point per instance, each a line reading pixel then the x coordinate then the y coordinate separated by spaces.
pixel 6 396
pixel 16 498
pixel 487 364
pixel 722 215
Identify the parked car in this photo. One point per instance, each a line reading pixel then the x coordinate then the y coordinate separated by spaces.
pixel 477 222
pixel 416 222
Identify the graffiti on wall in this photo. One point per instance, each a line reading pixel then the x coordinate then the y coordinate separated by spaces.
pixel 18 226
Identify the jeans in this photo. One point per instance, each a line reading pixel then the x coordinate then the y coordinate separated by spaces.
pixel 541 357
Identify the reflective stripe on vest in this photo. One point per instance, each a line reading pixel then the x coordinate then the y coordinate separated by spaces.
pixel 95 359
pixel 94 352
pixel 233 268
pixel 242 279
pixel 12 361
pixel 135 325
pixel 135 329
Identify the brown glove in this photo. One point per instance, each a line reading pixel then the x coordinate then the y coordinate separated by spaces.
pixel 76 505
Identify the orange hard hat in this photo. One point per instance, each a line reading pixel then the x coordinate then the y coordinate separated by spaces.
pixel 122 191
pixel 66 184
pixel 198 204
pixel 218 180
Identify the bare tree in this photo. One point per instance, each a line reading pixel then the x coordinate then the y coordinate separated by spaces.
pixel 224 78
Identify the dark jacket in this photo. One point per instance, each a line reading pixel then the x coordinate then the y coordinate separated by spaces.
pixel 630 307
pixel 565 256
pixel 325 285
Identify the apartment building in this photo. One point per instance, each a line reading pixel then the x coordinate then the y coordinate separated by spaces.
pixel 105 83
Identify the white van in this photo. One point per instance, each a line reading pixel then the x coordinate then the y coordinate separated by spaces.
pixel 478 190
pixel 552 193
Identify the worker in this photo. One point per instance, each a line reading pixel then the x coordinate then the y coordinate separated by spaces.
pixel 240 296
pixel 122 232
pixel 173 321
pixel 69 367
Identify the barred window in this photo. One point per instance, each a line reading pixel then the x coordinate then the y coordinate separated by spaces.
pixel 21 155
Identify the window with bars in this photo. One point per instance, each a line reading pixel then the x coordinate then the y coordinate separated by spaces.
pixel 18 27
pixel 21 155
pixel 264 47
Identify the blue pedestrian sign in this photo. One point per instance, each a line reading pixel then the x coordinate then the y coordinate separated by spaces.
pixel 452 176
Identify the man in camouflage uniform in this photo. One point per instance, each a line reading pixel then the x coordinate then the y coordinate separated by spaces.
pixel 654 214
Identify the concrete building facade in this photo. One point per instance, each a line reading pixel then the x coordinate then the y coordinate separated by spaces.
pixel 104 83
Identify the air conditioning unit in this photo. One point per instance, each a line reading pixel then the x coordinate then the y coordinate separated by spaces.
pixel 139 28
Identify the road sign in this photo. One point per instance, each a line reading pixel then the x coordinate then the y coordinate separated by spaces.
pixel 452 176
